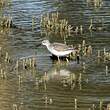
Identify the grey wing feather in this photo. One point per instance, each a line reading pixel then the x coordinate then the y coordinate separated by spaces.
pixel 61 47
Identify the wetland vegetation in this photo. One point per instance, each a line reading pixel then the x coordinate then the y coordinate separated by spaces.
pixel 30 79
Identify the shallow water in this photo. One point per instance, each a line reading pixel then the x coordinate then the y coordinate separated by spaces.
pixel 24 42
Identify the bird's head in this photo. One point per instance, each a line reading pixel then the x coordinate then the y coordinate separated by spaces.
pixel 45 42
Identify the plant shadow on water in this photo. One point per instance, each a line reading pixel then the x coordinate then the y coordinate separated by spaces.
pixel 31 80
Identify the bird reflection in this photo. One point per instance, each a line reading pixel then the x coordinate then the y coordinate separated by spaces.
pixel 62 75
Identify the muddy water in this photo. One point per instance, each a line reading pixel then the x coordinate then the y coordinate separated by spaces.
pixel 28 94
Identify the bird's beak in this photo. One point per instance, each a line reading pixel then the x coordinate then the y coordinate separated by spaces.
pixel 38 45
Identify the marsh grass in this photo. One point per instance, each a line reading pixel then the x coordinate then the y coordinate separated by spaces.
pixel 95 3
pixel 84 49
pixel 4 3
pixel 5 61
pixel 52 22
pixel 107 55
pixel 25 63
pixel 5 21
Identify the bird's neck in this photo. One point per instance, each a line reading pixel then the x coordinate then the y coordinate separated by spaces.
pixel 48 46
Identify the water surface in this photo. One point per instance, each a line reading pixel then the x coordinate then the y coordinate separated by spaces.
pixel 23 41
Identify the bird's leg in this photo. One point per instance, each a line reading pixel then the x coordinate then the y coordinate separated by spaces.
pixel 77 59
pixel 77 55
pixel 70 55
pixel 58 59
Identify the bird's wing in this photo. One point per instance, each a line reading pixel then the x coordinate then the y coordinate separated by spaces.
pixel 61 47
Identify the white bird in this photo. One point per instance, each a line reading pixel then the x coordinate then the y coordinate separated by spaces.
pixel 58 49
